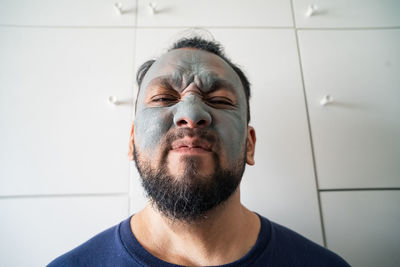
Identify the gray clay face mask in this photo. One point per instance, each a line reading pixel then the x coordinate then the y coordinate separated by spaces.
pixel 196 85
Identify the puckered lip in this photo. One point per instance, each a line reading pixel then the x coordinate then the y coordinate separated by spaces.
pixel 191 143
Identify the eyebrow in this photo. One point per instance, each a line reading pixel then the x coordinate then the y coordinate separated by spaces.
pixel 221 83
pixel 211 83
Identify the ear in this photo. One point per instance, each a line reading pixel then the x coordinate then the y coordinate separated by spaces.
pixel 130 153
pixel 251 145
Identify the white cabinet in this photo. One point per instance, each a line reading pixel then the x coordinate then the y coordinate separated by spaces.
pixel 209 13
pixel 67 13
pixel 281 185
pixel 357 136
pixel 34 231
pixel 59 134
pixel 346 13
pixel 363 227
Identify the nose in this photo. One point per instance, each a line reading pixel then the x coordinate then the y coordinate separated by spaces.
pixel 192 113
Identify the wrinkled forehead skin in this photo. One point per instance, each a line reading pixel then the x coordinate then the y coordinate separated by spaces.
pixel 192 62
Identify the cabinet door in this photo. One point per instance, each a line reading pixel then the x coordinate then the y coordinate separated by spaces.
pixel 356 137
pixel 34 231
pixel 67 13
pixel 347 13
pixel 206 13
pixel 363 227
pixel 59 134
pixel 281 185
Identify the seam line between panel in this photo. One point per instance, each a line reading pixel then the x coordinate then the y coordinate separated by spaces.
pixel 130 192
pixel 360 189
pixel 63 195
pixel 309 128
pixel 204 26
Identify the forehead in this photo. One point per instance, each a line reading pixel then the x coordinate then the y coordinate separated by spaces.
pixel 188 62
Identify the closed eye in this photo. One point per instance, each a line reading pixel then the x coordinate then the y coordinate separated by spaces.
pixel 164 100
pixel 222 102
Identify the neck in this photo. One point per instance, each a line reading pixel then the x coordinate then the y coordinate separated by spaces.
pixel 226 234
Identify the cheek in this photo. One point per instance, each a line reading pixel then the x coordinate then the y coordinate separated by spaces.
pixel 150 127
pixel 232 129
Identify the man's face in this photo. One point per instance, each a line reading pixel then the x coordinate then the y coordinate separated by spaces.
pixel 190 132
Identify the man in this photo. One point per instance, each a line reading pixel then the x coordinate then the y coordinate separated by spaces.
pixel 191 141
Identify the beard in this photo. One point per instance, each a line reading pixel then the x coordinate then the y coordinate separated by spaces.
pixel 189 196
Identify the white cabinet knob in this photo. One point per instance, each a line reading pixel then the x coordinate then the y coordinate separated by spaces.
pixel 117 101
pixel 311 10
pixel 118 8
pixel 327 99
pixel 152 8
pixel 113 100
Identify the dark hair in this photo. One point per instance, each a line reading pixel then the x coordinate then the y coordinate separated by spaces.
pixel 209 46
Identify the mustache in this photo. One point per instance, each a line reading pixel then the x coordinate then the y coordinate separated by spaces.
pixel 176 134
pixel 202 134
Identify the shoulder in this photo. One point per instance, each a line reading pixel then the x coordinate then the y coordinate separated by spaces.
pixel 294 249
pixel 106 247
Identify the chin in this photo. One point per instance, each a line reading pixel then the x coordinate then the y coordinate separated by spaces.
pixel 189 166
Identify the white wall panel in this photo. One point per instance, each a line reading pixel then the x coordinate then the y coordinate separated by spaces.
pixel 347 13
pixel 34 231
pixel 281 186
pixel 206 13
pixel 356 138
pixel 67 13
pixel 363 227
pixel 58 132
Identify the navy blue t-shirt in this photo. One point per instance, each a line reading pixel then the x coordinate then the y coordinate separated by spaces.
pixel 276 246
